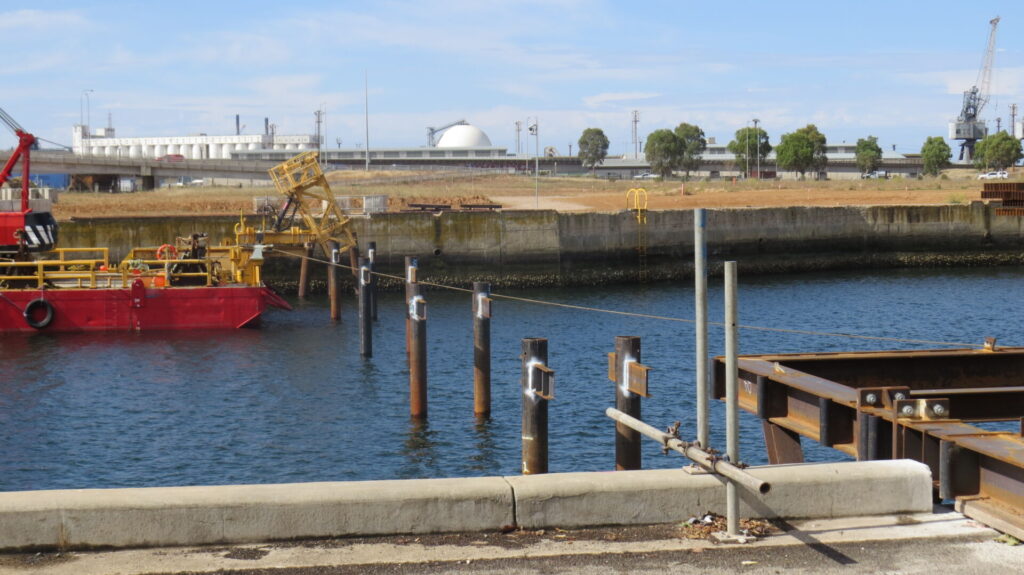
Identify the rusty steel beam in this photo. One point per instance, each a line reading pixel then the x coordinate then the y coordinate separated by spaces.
pixel 914 405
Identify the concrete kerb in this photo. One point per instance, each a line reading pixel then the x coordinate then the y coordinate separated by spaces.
pixel 175 516
pixel 646 497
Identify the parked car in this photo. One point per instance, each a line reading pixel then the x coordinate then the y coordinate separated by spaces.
pixel 1000 175
pixel 876 175
pixel 645 176
pixel 171 158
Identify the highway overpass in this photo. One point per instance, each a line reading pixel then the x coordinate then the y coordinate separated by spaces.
pixel 57 162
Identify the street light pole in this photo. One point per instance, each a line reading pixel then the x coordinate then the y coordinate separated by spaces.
pixel 534 129
pixel 757 135
pixel 81 114
pixel 88 109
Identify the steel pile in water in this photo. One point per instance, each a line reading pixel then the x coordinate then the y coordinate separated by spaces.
pixel 901 405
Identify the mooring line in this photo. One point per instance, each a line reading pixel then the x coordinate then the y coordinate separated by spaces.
pixel 662 317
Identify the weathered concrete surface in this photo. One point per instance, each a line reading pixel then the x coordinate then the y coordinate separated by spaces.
pixel 661 496
pixel 168 516
pixel 574 246
pixel 923 543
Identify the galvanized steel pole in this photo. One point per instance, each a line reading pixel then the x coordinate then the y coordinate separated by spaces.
pixel 732 425
pixel 535 409
pixel 371 257
pixel 481 350
pixel 333 281
pixel 700 279
pixel 365 321
pixel 411 271
pixel 627 440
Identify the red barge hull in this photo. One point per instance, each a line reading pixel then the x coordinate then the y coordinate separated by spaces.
pixel 136 308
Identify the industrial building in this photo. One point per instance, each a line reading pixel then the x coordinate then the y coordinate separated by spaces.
pixel 103 142
pixel 459 144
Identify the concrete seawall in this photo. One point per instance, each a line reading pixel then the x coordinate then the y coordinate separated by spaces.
pixel 168 516
pixel 546 247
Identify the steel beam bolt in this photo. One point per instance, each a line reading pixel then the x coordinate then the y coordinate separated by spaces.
pixel 899 396
pixel 939 409
pixel 908 410
pixel 871 399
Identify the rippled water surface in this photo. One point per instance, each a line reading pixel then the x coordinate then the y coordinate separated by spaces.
pixel 293 401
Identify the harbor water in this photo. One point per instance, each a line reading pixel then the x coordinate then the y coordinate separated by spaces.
pixel 293 401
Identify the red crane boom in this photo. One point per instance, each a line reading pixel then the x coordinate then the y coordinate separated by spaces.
pixel 23 230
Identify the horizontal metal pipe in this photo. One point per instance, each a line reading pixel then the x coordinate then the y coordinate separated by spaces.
pixel 697 455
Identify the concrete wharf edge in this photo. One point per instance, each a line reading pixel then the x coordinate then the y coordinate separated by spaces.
pixel 176 516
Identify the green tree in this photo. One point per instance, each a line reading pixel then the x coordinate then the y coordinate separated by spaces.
pixel 663 151
pixel 795 153
pixel 750 147
pixel 593 148
pixel 998 151
pixel 817 139
pixel 869 155
pixel 935 153
pixel 692 145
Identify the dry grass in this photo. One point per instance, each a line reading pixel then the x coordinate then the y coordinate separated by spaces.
pixel 565 193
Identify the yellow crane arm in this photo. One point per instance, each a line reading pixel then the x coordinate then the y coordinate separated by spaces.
pixel 301 180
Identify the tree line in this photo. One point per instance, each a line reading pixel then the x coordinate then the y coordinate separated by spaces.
pixel 801 151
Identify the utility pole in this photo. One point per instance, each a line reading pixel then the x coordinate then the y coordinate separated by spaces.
pixel 319 121
pixel 536 161
pixel 366 115
pixel 1013 120
pixel 757 134
pixel 636 136
pixel 519 128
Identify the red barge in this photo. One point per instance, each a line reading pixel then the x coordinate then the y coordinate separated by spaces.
pixel 70 292
pixel 184 285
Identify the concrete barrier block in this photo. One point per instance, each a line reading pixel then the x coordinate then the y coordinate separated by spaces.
pixel 612 498
pixel 661 496
pixel 242 513
pixel 29 520
pixel 167 516
pixel 844 489
pixel 370 508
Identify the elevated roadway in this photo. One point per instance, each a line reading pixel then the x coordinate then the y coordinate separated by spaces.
pixel 55 162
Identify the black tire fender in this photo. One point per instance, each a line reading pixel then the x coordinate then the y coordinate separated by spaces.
pixel 30 312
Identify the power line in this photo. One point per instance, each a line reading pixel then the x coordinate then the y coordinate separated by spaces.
pixel 664 318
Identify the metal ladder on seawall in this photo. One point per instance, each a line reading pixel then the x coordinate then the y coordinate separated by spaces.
pixel 638 196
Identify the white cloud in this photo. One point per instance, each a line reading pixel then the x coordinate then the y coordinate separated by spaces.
pixel 35 62
pixel 50 21
pixel 598 100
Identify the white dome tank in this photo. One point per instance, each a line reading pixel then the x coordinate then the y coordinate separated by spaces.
pixel 464 136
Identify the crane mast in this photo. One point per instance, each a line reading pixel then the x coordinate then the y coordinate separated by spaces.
pixel 968 127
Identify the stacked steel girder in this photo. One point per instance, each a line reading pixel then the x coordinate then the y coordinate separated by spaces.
pixel 902 405
pixel 1011 194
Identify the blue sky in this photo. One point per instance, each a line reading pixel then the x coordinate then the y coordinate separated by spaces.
pixel 895 70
